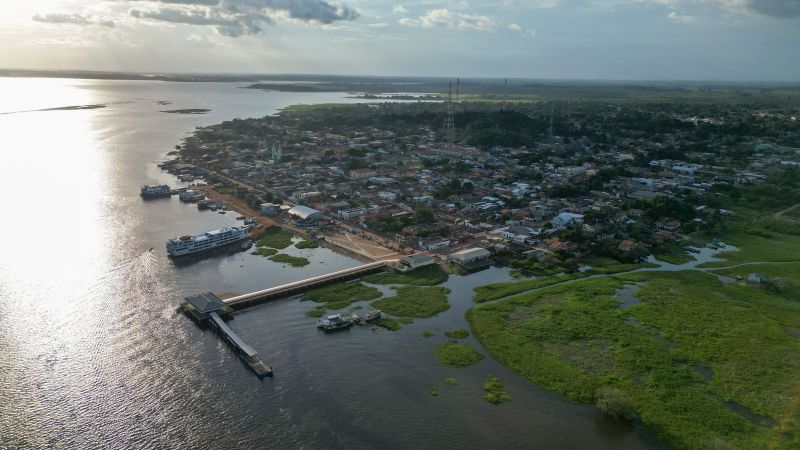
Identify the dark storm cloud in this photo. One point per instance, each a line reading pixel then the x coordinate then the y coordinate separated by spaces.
pixel 240 17
pixel 776 8
pixel 227 25
pixel 71 19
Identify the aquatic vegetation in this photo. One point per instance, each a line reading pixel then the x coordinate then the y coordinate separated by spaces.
pixel 499 290
pixel 423 276
pixel 434 391
pixel 264 251
pixel 275 237
pixel 414 301
pixel 306 244
pixel 405 320
pixel 450 381
pixel 457 333
pixel 575 340
pixel 341 295
pixel 457 355
pixel 316 312
pixel 387 323
pixel 427 334
pixel 294 261
pixel 495 391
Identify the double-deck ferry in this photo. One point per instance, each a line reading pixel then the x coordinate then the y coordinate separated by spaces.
pixel 186 245
pixel 159 191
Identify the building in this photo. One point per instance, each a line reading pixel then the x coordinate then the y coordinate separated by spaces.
pixel 305 216
pixel 199 306
pixel 350 214
pixel 270 209
pixel 415 261
pixel 434 243
pixel 471 257
pixel 564 219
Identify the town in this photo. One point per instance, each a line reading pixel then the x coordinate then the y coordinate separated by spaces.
pixel 537 186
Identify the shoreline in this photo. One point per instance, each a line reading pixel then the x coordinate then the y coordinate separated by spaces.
pixel 336 241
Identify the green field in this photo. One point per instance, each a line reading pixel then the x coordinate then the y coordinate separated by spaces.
pixel 423 276
pixel 655 356
pixel 414 301
pixel 341 295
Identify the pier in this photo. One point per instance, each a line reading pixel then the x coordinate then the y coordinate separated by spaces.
pixel 297 287
pixel 246 353
pixel 208 308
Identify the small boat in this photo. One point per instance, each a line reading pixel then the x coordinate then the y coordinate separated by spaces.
pixel 375 314
pixel 240 217
pixel 247 244
pixel 334 322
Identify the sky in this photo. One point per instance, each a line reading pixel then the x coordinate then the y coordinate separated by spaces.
pixel 724 40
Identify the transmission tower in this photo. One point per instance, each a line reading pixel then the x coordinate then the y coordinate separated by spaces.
pixel 449 125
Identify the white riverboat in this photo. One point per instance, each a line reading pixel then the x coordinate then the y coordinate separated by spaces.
pixel 186 245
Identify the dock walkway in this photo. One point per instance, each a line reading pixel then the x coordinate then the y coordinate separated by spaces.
pixel 246 353
pixel 284 290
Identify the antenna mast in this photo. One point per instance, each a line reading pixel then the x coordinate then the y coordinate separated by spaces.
pixel 449 124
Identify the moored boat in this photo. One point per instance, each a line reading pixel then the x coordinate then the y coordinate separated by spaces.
pixel 334 322
pixel 159 191
pixel 186 245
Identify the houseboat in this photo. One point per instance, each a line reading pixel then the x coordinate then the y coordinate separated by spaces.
pixel 334 322
pixel 160 191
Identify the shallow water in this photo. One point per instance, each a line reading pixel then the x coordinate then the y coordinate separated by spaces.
pixel 94 354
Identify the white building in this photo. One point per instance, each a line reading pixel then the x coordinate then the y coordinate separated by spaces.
pixel 471 257
pixel 415 261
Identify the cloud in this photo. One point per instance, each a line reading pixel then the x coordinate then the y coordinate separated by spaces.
pixel 71 19
pixel 443 18
pixel 399 9
pixel 675 17
pixel 242 17
pixel 783 9
pixel 520 29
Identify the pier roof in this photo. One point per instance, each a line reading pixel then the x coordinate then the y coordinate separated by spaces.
pixel 206 302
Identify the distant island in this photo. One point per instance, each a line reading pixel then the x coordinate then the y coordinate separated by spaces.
pixel 187 111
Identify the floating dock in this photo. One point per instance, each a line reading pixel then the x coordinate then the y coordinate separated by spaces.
pixel 246 353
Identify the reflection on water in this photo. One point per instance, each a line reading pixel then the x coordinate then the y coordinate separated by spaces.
pixel 94 354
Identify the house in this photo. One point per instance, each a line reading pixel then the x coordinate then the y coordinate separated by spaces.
pixel 270 209
pixel 433 243
pixel 565 218
pixel 520 235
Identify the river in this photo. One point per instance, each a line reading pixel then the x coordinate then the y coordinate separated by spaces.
pixel 93 353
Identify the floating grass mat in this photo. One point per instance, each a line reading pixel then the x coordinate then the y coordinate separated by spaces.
pixel 423 276
pixel 294 261
pixel 457 355
pixel 275 237
pixel 414 301
pixel 306 244
pixel 341 295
